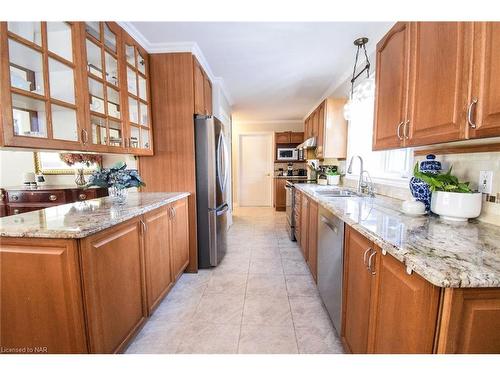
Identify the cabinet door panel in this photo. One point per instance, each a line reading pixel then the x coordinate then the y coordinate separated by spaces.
pixel 405 312
pixel 439 77
pixel 157 255
pixel 113 285
pixel 199 89
pixel 486 80
pixel 207 93
pixel 391 87
pixel 304 225
pixel 357 293
pixel 282 137
pixel 312 241
pixel 180 237
pixel 280 193
pixel 297 137
pixel 320 131
pixel 41 296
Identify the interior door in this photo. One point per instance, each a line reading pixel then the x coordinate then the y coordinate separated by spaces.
pixel 439 75
pixel 391 87
pixel 485 122
pixel 255 161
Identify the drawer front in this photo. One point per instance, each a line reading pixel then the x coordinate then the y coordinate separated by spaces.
pixel 56 196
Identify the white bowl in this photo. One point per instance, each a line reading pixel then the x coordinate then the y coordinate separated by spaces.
pixel 456 206
pixel 413 208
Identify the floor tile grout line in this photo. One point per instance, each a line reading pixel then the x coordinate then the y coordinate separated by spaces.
pixel 290 307
pixel 243 310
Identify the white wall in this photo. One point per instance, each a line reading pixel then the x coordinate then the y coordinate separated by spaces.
pixel 13 164
pixel 257 127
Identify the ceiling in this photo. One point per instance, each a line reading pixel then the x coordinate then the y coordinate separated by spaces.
pixel 273 71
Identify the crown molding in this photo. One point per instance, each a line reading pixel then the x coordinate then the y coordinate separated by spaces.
pixel 173 47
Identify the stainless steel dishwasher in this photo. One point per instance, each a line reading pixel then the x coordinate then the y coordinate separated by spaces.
pixel 330 264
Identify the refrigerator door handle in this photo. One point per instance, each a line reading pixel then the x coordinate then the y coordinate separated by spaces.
pixel 224 152
pixel 223 210
pixel 219 162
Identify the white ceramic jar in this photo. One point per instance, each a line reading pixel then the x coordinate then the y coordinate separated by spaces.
pixel 333 179
pixel 456 206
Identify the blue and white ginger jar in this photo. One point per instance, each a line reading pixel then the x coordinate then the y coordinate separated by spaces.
pixel 419 189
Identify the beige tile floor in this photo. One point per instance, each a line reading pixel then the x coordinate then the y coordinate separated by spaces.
pixel 260 299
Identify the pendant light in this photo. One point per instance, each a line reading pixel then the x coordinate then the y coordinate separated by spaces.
pixel 360 44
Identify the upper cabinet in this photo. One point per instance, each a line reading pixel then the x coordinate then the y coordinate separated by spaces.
pixel 437 82
pixel 139 132
pixel 328 125
pixel 484 103
pixel 40 85
pixel 202 90
pixel 74 86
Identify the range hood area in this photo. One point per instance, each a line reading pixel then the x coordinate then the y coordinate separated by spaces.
pixel 307 144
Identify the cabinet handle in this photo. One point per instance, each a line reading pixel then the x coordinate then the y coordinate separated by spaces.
pixel 469 113
pixel 15 197
pixel 85 136
pixel 174 212
pixel 399 130
pixel 52 197
pixel 16 211
pixel 406 130
pixel 370 263
pixel 144 226
pixel 82 196
pixel 364 255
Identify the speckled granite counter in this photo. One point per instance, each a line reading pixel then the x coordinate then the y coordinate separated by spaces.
pixel 456 255
pixel 81 219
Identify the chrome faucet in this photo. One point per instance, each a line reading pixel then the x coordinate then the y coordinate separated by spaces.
pixel 349 170
pixel 363 187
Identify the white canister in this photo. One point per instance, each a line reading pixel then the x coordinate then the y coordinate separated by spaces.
pixel 333 179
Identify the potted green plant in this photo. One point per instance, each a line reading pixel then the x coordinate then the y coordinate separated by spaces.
pixel 332 176
pixel 117 179
pixel 451 199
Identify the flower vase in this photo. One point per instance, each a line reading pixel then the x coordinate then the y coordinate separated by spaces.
pixel 80 178
pixel 118 195
pixel 419 188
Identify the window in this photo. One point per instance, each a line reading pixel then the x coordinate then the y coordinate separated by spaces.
pixel 391 165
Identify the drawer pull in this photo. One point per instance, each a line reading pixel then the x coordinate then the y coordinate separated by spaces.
pixel 16 211
pixel 82 196
pixel 52 197
pixel 15 198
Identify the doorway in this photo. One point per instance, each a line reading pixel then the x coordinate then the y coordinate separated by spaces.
pixel 256 169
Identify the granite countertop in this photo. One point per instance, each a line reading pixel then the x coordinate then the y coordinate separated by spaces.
pixel 447 254
pixel 81 219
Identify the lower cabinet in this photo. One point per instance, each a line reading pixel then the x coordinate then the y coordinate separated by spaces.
pixel 40 297
pixel 385 309
pixel 91 294
pixel 157 249
pixel 304 226
pixel 179 237
pixel 113 281
pixel 312 240
pixel 279 194
pixel 297 199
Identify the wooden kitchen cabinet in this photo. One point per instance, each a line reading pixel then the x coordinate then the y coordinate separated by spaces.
pixel 484 102
pixel 179 237
pixel 288 137
pixel 104 103
pixel 404 315
pixel 312 240
pixel 297 214
pixel 391 87
pixel 202 90
pixel 279 194
pixel 450 67
pixel 357 292
pixel 157 255
pixel 304 226
pixel 113 279
pixel 470 321
pixel 439 78
pixel 40 296
pixel 328 125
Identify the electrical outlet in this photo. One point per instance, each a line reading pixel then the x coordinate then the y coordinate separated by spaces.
pixel 485 182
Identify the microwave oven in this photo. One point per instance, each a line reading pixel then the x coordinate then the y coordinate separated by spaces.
pixel 287 154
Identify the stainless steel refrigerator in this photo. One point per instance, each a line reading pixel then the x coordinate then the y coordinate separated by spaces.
pixel 212 173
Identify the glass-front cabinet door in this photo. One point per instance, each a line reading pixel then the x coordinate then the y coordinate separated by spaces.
pixel 138 99
pixel 40 85
pixel 103 51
